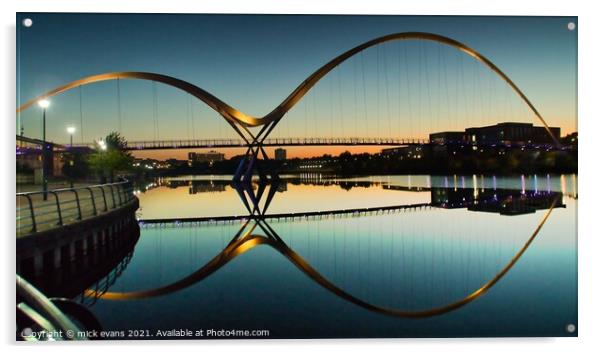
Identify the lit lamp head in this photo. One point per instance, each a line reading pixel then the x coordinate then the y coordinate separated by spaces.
pixel 102 144
pixel 44 103
pixel 71 130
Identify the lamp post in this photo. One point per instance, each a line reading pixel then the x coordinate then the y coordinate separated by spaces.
pixel 71 131
pixel 102 145
pixel 44 105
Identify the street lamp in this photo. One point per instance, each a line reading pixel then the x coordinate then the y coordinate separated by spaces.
pixel 103 147
pixel 71 131
pixel 44 104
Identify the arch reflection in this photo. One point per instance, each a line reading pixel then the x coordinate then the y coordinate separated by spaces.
pixel 256 231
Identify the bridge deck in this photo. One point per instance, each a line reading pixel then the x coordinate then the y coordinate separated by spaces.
pixel 238 143
pixel 313 215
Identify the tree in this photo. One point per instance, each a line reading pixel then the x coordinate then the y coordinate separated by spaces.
pixel 112 159
pixel 75 165
pixel 115 141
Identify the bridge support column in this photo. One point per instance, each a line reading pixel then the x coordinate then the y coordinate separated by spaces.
pixel 256 161
pixel 95 240
pixel 57 258
pixel 84 246
pixel 38 263
pixel 72 252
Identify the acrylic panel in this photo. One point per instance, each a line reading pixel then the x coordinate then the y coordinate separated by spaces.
pixel 193 176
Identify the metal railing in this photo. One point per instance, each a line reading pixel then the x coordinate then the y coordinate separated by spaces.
pixel 43 314
pixel 210 143
pixel 90 296
pixel 68 205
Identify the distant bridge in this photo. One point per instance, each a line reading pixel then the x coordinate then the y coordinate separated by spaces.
pixel 239 143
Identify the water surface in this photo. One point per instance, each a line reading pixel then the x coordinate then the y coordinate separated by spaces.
pixel 441 239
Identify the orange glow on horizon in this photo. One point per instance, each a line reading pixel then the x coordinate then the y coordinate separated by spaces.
pixel 291 151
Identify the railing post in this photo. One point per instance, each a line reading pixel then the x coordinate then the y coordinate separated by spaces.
pixel 119 194
pixel 58 207
pixel 113 196
pixel 124 192
pixel 79 208
pixel 33 218
pixel 93 201
pixel 104 197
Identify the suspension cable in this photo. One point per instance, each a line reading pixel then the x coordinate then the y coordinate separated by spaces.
pixel 315 113
pixel 331 102
pixel 355 112
pixel 428 86
pixel 305 113
pixel 438 117
pixel 407 71
pixel 341 115
pixel 446 84
pixel 81 115
pixel 191 103
pixel 364 92
pixel 155 112
pixel 119 104
pixel 188 120
pixel 378 90
pixel 399 115
pixel 387 87
pixel 419 122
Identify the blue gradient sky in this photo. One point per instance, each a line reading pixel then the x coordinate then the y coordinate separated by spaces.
pixel 254 62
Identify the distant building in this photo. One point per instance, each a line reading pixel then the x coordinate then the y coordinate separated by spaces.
pixel 282 186
pixel 174 163
pixel 315 165
pixel 447 137
pixel 511 133
pixel 207 187
pixel 570 140
pixel 408 152
pixel 29 157
pixel 501 133
pixel 147 163
pixel 502 201
pixel 200 157
pixel 280 154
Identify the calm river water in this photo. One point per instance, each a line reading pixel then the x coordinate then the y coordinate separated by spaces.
pixel 327 267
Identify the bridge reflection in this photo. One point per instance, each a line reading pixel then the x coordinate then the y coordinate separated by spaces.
pixel 505 201
pixel 99 271
pixel 256 231
pixel 502 201
pixel 219 185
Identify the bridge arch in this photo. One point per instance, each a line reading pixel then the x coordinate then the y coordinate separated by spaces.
pixel 249 241
pixel 235 116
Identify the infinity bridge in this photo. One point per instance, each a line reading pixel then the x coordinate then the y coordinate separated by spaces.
pixel 242 123
pixel 255 230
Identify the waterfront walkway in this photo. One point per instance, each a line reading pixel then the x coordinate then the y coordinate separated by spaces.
pixel 64 206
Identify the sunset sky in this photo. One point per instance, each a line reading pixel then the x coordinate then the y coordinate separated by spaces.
pixel 253 62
